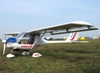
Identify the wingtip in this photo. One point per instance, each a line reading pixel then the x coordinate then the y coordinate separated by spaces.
pixel 81 22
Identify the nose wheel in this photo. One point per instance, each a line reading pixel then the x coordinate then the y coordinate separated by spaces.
pixel 10 55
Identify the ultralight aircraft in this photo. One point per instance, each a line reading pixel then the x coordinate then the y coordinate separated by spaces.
pixel 35 38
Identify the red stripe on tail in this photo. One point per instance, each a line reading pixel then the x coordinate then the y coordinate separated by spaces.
pixel 74 36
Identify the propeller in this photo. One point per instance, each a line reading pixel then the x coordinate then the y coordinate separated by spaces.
pixel 4 46
pixel 11 40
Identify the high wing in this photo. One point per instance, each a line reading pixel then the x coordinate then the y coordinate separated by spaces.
pixel 76 26
pixel 12 33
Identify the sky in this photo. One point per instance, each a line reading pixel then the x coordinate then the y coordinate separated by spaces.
pixel 25 15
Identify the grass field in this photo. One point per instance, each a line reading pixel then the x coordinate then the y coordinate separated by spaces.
pixel 57 58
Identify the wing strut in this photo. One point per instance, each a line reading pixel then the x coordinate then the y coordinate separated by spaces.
pixel 67 30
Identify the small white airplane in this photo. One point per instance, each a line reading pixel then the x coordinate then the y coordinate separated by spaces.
pixel 35 37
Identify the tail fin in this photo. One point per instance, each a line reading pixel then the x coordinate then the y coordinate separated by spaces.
pixel 70 36
pixel 73 36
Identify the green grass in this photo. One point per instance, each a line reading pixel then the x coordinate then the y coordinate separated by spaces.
pixel 57 58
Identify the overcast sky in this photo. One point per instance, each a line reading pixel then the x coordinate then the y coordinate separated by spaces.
pixel 25 15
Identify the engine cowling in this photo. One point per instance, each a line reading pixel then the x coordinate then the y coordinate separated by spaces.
pixel 11 39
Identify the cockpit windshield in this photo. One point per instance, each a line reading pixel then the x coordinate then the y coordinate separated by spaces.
pixel 25 38
pixel 20 34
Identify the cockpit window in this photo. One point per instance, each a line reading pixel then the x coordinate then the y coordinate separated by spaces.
pixel 25 38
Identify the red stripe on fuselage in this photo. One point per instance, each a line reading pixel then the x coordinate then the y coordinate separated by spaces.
pixel 25 46
pixel 29 46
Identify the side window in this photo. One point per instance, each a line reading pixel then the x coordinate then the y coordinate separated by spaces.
pixel 31 39
pixel 27 39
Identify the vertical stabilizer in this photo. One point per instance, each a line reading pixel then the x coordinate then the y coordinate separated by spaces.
pixel 73 36
pixel 70 36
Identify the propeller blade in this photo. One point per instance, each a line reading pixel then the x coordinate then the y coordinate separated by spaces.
pixel 4 47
